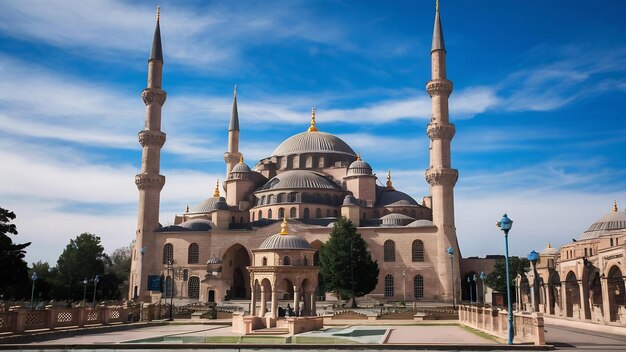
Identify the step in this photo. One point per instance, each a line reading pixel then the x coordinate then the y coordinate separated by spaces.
pixel 270 331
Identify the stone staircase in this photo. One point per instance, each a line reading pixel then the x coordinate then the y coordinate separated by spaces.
pixel 270 331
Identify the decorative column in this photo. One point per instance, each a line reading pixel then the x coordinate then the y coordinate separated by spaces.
pixel 253 299
pixel 263 309
pixel 274 311
pixel 606 304
pixel 584 302
pixel 296 301
pixel 313 304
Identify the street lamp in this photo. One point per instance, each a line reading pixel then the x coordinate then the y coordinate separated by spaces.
pixel 96 279
pixel 505 225
pixel 32 291
pixel 451 253
pixel 533 257
pixel 483 277
pixel 85 281
pixel 171 287
pixel 403 286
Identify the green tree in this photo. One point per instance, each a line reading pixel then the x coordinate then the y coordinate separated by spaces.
pixel 497 279
pixel 82 258
pixel 119 269
pixel 45 279
pixel 346 267
pixel 13 267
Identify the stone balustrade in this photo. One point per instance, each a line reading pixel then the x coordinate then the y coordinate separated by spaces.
pixel 23 320
pixel 528 326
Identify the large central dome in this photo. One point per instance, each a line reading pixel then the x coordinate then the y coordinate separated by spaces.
pixel 313 142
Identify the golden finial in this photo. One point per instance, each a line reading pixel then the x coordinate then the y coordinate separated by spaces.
pixel 158 13
pixel 216 193
pixel 283 226
pixel 241 157
pixel 358 156
pixel 389 185
pixel 437 6
pixel 313 128
pixel 615 205
pixel 549 245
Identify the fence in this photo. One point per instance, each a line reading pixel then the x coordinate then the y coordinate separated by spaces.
pixel 22 320
pixel 528 326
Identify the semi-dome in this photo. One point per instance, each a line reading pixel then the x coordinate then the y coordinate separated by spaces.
pixel 197 225
pixel 421 223
pixel 549 250
pixel 391 198
pixel 297 179
pixel 350 200
pixel 615 220
pixel 211 204
pixel 396 220
pixel 359 168
pixel 241 167
pixel 313 142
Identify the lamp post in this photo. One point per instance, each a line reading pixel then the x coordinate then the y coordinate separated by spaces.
pixel 505 225
pixel 451 254
pixel 533 257
pixel 483 277
pixel 403 286
pixel 171 287
pixel 85 281
pixel 140 279
pixel 96 279
pixel 32 291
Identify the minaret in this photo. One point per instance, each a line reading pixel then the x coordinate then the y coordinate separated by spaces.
pixel 149 182
pixel 440 176
pixel 232 156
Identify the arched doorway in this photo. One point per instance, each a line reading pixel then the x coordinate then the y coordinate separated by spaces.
pixel 236 259
pixel 469 287
pixel 595 292
pixel 319 289
pixel 615 286
pixel 554 285
pixel 194 287
pixel 572 294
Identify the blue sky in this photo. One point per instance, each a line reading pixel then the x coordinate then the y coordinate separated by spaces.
pixel 538 104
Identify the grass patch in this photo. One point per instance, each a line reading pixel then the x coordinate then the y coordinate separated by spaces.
pixel 480 333
pixel 312 340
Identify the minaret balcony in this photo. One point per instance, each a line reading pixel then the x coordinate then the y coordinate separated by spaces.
pixel 442 177
pixel 438 87
pixel 147 181
pixel 441 131
pixel 149 138
pixel 151 95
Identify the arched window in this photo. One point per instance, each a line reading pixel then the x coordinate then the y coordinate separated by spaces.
pixel 417 251
pixel 241 219
pixel 306 261
pixel 418 286
pixel 193 254
pixel 306 213
pixel 281 213
pixel 327 213
pixel 286 261
pixel 269 214
pixel 318 213
pixel 389 292
pixel 390 251
pixel 232 219
pixel 260 214
pixel 168 253
pixel 253 216
pixel 264 261
pixel 292 212
pixel 194 287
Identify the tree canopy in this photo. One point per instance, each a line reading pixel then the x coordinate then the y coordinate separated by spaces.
pixel 14 270
pixel 497 279
pixel 346 267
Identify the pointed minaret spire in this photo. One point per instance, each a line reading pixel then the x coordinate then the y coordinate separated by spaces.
pixel 615 206
pixel 157 50
pixel 283 226
pixel 232 155
pixel 234 116
pixel 216 192
pixel 437 32
pixel 389 183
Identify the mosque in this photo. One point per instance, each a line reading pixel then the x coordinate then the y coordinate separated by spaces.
pixel 310 180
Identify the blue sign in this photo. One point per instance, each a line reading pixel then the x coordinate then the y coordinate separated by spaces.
pixel 154 283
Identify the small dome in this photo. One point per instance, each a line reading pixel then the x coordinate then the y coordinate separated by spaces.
pixel 214 260
pixel 391 198
pixel 350 200
pixel 421 223
pixel 396 220
pixel 241 167
pixel 359 168
pixel 211 204
pixel 279 241
pixel 313 142
pixel 296 179
pixel 549 250
pixel 615 220
pixel 197 225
